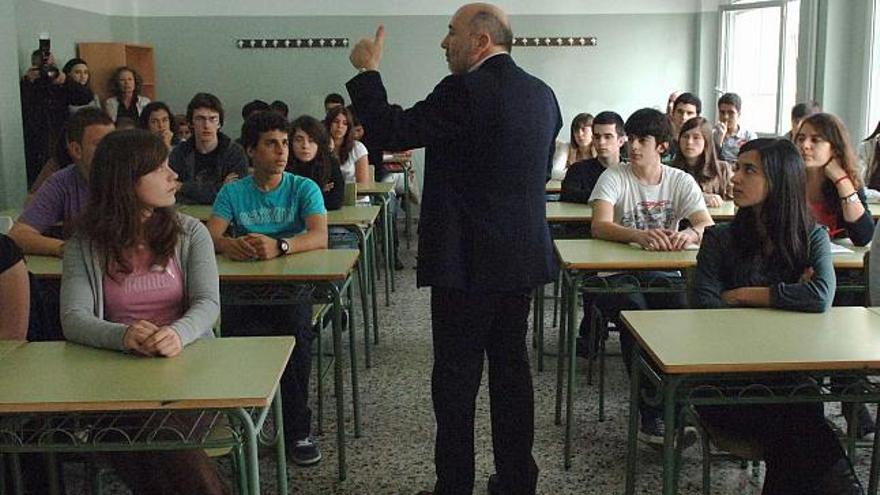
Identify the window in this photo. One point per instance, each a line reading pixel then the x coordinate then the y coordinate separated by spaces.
pixel 874 68
pixel 759 49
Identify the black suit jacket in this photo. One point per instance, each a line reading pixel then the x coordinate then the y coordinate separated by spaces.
pixel 489 138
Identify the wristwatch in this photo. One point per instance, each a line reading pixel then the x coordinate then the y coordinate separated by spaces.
pixel 852 198
pixel 283 246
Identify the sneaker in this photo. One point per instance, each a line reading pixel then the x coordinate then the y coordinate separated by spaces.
pixel 652 431
pixel 305 452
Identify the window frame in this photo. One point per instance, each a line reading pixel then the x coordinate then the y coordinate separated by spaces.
pixel 724 55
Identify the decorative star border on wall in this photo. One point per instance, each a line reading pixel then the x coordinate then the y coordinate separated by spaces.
pixel 251 43
pixel 556 41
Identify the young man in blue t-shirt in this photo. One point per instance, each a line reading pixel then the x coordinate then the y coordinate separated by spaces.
pixel 269 214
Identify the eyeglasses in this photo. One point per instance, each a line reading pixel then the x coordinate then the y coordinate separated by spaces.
pixel 201 119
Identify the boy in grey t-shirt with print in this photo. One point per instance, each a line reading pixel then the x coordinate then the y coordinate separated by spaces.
pixel 643 202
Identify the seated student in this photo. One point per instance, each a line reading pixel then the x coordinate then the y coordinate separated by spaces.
pixel 774 254
pixel 126 100
pixel 686 107
pixel 835 192
pixel 63 196
pixel 798 113
pixel 210 159
pixel 157 118
pixel 274 213
pixel 608 137
pixel 311 156
pixel 578 148
pixel 332 101
pixel 696 156
pixel 280 107
pixel 181 127
pixel 670 102
pixel 14 292
pixel 836 198
pixel 141 278
pixel 643 202
pixel 352 155
pixel 249 109
pixel 729 136
pixel 869 160
pixel 76 72
pixel 874 267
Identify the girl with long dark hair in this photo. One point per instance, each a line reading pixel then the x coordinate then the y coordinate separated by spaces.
pixel 696 156
pixel 352 154
pixel 774 254
pixel 126 101
pixel 835 192
pixel 311 155
pixel 141 278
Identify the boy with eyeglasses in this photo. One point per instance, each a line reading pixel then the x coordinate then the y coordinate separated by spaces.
pixel 209 158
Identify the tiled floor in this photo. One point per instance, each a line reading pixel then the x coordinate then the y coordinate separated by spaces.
pixel 394 455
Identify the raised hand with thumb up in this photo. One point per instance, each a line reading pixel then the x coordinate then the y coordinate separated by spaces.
pixel 367 53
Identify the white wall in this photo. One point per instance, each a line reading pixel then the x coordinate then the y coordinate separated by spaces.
pixel 161 8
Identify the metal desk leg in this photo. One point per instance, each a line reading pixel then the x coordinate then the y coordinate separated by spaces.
pixel 669 435
pixel 337 379
pixel 389 240
pixel 875 461
pixel 280 451
pixel 352 346
pixel 632 447
pixel 407 213
pixel 251 446
pixel 572 359
pixel 361 267
pixel 560 358
pixel 371 280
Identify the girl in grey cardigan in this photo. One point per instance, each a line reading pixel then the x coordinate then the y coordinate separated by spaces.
pixel 141 278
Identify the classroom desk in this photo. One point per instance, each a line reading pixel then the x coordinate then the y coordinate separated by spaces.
pixel 703 357
pixel 402 163
pixel 65 397
pixel 361 221
pixel 383 192
pixel 280 281
pixel 553 186
pixel 581 259
pixel 563 212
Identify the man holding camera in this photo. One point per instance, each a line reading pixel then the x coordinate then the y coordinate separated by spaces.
pixel 44 101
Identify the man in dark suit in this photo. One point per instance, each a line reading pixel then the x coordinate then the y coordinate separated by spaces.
pixel 484 245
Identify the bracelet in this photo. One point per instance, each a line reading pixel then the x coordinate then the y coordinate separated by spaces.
pixel 841 179
pixel 851 198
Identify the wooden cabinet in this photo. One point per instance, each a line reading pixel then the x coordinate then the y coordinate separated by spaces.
pixel 104 58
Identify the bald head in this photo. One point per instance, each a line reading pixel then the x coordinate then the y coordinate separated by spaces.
pixel 476 31
pixel 489 19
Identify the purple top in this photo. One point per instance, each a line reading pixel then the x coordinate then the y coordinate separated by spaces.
pixel 61 198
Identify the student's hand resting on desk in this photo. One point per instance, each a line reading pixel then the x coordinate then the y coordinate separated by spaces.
pixel 712 200
pixel 136 335
pixel 165 341
pixel 654 240
pixel 239 249
pixel 682 238
pixel 731 297
pixel 230 178
pixel 265 246
pixel 808 275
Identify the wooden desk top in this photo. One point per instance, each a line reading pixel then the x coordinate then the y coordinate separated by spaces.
pixel 322 264
pixel 559 212
pixel 598 255
pixel 353 215
pixel 758 340
pixel 210 373
pixel 199 212
pixel 375 188
pixel 553 186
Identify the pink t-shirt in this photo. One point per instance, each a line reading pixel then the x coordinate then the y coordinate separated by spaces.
pixel 150 292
